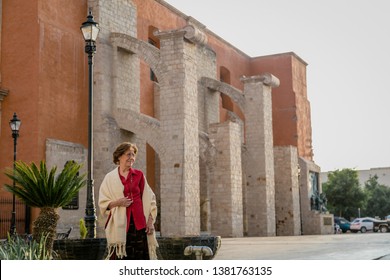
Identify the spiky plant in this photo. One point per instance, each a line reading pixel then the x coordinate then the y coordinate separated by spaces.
pixel 38 187
pixel 19 248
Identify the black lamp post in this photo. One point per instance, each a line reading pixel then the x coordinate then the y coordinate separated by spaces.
pixel 14 123
pixel 90 30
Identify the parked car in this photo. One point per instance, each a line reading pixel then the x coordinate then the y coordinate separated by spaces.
pixel 362 224
pixel 343 223
pixel 382 225
pixel 387 218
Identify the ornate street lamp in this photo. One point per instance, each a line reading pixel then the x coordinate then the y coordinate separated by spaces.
pixel 90 30
pixel 14 123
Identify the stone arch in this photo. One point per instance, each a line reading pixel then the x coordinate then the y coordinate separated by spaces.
pixel 145 51
pixel 236 95
pixel 145 126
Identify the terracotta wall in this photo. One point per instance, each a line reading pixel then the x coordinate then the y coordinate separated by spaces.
pixel 291 109
pixel 45 69
pixel 19 72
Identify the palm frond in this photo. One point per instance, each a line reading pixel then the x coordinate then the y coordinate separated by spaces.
pixel 38 187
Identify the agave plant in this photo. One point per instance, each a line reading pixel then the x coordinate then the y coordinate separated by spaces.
pixel 19 248
pixel 38 187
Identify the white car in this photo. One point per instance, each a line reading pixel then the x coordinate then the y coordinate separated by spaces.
pixel 362 224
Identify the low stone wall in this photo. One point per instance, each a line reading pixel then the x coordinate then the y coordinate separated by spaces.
pixel 170 248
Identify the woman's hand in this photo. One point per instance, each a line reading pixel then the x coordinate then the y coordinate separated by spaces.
pixel 121 202
pixel 150 226
pixel 124 202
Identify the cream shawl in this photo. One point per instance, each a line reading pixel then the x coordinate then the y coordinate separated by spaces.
pixel 112 189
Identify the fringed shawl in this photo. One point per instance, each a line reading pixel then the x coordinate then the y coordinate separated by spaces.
pixel 111 189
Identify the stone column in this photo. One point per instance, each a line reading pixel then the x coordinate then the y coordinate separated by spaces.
pixel 226 183
pixel 115 74
pixel 287 206
pixel 180 212
pixel 259 157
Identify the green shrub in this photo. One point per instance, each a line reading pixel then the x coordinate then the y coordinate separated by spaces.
pixel 83 229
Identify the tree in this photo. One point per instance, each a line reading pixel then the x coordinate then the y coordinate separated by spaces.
pixel 343 192
pixel 37 187
pixel 378 198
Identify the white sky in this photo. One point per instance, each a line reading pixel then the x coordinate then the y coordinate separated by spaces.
pixel 346 44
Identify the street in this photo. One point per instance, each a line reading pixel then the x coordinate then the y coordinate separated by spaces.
pixel 346 246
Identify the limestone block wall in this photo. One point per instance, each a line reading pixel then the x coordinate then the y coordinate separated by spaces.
pixel 208 113
pixel 208 100
pixel 313 222
pixel 115 77
pixel 287 204
pixel 180 212
pixel 226 208
pixel 259 156
pixel 58 152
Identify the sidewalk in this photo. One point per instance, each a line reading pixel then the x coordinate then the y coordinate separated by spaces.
pixel 309 247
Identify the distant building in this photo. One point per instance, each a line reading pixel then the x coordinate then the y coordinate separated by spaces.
pixel 383 174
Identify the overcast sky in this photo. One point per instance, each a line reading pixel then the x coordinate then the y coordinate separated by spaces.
pixel 346 44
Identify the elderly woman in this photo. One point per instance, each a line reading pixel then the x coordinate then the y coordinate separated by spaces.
pixel 129 204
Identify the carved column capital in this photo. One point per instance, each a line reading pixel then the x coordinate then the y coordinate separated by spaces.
pixel 195 35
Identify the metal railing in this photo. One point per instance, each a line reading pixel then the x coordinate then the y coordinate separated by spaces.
pixel 5 216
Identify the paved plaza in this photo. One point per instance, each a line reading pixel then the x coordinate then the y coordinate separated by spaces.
pixel 348 246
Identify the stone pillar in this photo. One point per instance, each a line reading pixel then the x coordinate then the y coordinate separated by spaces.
pixel 226 183
pixel 287 206
pixel 180 210
pixel 259 156
pixel 115 75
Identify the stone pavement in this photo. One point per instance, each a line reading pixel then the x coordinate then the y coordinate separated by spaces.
pixel 368 246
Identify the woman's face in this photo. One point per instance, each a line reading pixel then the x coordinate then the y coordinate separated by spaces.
pixel 127 159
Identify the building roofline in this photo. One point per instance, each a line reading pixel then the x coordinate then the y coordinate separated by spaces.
pixel 285 53
pixel 189 18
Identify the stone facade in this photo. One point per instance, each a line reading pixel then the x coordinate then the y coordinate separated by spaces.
pixel 204 125
pixel 288 213
pixel 259 157
pixel 57 154
pixel 210 177
pixel 225 188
